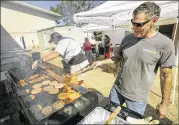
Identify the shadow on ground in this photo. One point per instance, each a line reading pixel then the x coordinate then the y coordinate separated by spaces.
pixel 151 111
pixel 109 68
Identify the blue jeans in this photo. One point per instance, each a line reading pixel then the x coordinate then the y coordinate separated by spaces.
pixel 117 99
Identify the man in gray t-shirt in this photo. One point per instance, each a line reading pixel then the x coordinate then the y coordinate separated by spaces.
pixel 140 55
pixel 141 59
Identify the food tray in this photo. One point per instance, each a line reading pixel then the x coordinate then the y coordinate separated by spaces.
pixel 99 116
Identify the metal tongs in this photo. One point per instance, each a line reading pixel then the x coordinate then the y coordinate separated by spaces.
pixel 47 71
pixel 33 70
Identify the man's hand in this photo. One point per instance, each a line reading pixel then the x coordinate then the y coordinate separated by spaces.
pixel 162 109
pixel 148 120
pixel 96 64
pixel 35 64
pixel 166 87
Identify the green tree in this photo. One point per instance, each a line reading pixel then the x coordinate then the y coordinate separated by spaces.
pixel 68 8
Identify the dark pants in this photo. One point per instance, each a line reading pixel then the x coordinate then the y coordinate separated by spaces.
pixel 89 56
pixel 107 54
pixel 106 49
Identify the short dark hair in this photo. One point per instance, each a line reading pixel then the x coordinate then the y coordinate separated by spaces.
pixel 94 33
pixel 107 36
pixel 86 39
pixel 149 8
pixel 55 37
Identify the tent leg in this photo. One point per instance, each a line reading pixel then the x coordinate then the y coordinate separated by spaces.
pixel 175 80
pixel 176 70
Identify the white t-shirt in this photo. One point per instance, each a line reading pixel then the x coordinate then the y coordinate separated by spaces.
pixel 68 48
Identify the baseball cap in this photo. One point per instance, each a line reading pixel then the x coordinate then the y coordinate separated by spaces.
pixel 55 37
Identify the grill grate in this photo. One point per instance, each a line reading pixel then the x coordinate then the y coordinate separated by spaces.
pixel 43 98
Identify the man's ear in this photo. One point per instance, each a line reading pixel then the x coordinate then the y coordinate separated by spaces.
pixel 155 19
pixel 60 36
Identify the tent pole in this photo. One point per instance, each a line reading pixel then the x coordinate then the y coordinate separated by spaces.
pixel 113 28
pixel 175 76
pixel 113 35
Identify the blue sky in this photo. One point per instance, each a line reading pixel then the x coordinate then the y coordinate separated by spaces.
pixel 43 4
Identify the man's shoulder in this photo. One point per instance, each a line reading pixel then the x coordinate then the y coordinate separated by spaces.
pixel 67 39
pixel 128 39
pixel 164 40
pixel 129 36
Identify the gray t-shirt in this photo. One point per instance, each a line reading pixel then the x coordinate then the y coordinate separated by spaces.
pixel 141 59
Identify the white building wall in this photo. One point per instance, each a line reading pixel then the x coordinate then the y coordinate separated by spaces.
pixel 67 31
pixel 29 38
pixel 73 32
pixel 44 37
pixel 21 21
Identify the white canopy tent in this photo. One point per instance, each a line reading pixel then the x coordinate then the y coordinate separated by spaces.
pixel 119 13
pixel 94 27
pixel 116 34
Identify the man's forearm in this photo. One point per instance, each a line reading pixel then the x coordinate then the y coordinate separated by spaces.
pixel 51 56
pixel 166 86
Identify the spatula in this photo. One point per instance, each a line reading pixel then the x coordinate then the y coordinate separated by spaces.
pixel 86 70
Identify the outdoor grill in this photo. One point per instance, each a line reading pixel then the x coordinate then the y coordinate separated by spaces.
pixel 32 113
pixel 70 113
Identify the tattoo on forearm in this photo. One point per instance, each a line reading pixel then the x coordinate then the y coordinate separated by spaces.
pixel 166 85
